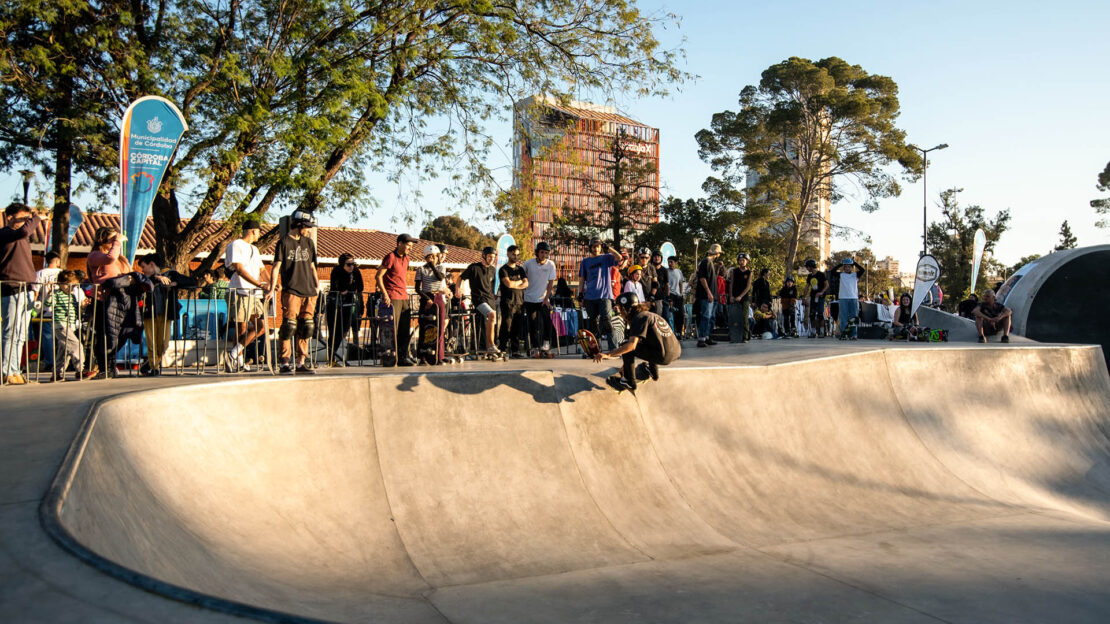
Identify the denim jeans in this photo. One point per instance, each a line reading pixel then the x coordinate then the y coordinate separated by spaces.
pixel 705 319
pixel 849 308
pixel 15 309
pixel 600 313
pixel 738 328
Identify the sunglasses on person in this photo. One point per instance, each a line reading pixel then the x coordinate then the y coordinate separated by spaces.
pixel 350 264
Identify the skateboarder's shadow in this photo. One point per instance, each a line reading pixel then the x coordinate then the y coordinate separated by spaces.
pixel 566 386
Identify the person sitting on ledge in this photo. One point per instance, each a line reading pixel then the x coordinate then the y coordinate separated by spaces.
pixel 967 307
pixel 992 317
pixel 905 325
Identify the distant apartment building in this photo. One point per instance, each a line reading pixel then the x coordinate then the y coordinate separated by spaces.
pixel 559 158
pixel 817 225
pixel 888 265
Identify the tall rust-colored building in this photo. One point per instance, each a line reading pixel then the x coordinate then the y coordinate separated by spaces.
pixel 562 154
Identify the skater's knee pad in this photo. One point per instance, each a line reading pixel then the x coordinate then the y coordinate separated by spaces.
pixel 305 327
pixel 288 327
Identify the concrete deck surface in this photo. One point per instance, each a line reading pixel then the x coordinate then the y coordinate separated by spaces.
pixel 785 481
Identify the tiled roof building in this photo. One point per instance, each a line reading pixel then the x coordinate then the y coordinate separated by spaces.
pixel 368 246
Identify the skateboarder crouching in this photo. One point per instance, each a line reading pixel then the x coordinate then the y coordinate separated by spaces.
pixel 648 338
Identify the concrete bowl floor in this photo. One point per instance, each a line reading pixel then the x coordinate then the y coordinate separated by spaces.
pixel 783 481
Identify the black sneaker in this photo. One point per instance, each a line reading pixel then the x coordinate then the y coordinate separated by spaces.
pixel 710 341
pixel 620 384
pixel 1004 339
pixel 304 369
pixel 286 368
pixel 982 338
pixel 701 343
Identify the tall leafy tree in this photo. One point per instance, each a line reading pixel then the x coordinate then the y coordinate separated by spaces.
pixel 289 102
pixel 454 230
pixel 65 66
pixel 624 182
pixel 807 132
pixel 952 243
pixel 1067 239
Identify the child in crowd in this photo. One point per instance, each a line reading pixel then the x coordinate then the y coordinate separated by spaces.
pixel 66 301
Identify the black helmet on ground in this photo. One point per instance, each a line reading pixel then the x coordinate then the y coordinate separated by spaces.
pixel 628 300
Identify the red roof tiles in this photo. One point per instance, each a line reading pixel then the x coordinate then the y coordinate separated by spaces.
pixel 331 242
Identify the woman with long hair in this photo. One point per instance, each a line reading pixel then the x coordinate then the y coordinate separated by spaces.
pixel 343 305
pixel 105 261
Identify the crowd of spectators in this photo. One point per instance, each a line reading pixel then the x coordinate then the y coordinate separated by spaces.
pixel 516 310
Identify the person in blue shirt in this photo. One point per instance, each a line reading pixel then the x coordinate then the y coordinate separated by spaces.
pixel 595 290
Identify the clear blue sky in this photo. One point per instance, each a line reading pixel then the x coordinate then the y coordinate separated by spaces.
pixel 1017 89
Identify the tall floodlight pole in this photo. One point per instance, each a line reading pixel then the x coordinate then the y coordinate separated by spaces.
pixel 925 194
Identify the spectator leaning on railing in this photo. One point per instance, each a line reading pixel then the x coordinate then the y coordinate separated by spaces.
pixel 17 273
pixel 161 311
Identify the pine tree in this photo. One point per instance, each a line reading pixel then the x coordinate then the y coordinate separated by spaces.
pixel 1067 239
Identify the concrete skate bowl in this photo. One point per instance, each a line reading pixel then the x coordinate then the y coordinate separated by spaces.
pixel 541 497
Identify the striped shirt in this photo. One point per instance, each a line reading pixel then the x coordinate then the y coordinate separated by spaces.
pixel 429 283
pixel 66 311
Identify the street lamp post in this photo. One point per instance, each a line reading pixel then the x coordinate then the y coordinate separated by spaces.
pixel 27 176
pixel 925 194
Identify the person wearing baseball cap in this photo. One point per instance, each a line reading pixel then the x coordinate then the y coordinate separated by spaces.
pixel 393 288
pixel 649 338
pixel 295 264
pixel 246 289
pixel 480 277
pixel 705 281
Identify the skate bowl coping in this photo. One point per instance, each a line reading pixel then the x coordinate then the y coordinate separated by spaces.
pixel 364 498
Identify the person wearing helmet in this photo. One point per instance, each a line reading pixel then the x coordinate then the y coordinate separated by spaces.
pixel 479 277
pixel 816 287
pixel 650 278
pixel 541 274
pixel 295 263
pixel 649 338
pixel 431 284
pixel 634 284
pixel 595 279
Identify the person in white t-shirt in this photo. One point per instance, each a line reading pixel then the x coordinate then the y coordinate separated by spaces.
pixel 537 299
pixel 245 292
pixel 848 296
pixel 46 279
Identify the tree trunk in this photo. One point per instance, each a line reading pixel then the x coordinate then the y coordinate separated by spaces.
pixel 792 245
pixel 63 179
pixel 167 226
